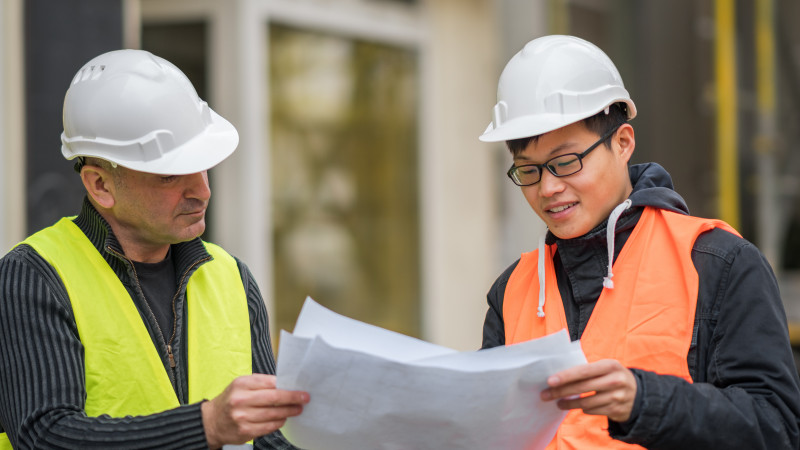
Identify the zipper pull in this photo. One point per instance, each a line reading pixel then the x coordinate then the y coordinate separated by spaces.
pixel 171 357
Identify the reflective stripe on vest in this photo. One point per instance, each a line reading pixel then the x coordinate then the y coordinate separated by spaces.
pixel 125 375
pixel 645 322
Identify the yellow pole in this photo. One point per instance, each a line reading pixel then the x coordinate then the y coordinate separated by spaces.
pixel 727 108
pixel 558 16
pixel 765 57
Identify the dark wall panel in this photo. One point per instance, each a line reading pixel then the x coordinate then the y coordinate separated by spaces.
pixel 60 36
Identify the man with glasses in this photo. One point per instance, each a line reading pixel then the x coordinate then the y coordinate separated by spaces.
pixel 680 318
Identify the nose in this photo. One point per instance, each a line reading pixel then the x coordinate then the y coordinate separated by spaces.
pixel 197 186
pixel 549 185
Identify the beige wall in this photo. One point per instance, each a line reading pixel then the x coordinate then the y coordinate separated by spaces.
pixel 12 126
pixel 459 191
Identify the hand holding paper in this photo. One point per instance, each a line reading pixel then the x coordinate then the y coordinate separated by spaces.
pixel 372 388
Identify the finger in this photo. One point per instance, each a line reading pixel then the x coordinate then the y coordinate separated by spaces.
pixel 613 404
pixel 271 414
pixel 255 381
pixel 593 401
pixel 263 428
pixel 244 431
pixel 583 372
pixel 262 421
pixel 266 385
pixel 571 391
pixel 605 377
pixel 278 397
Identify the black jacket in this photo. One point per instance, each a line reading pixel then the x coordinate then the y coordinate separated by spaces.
pixel 42 389
pixel 746 392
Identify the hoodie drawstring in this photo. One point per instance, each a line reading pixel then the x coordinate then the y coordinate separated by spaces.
pixel 610 234
pixel 540 310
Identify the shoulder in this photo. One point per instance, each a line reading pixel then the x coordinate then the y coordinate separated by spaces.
pixel 723 244
pixel 720 254
pixel 493 325
pixel 222 255
pixel 497 291
pixel 217 252
pixel 732 271
pixel 502 280
pixel 27 280
pixel 23 261
pixel 254 298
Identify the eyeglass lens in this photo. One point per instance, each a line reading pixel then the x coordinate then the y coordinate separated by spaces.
pixel 559 166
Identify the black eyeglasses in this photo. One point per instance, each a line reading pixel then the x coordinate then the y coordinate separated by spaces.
pixel 560 166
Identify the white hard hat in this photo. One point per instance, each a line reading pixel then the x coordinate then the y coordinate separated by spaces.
pixel 552 82
pixel 139 111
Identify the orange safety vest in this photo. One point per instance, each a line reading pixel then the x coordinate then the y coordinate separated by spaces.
pixel 645 322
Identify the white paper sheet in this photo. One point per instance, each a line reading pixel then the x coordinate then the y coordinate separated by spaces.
pixel 372 388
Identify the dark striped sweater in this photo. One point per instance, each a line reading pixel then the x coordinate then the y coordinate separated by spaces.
pixel 42 388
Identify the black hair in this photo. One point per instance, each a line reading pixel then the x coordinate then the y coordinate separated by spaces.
pixel 598 123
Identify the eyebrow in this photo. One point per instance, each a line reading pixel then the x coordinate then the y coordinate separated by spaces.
pixel 549 155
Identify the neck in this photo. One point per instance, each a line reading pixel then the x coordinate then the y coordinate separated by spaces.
pixel 133 246
pixel 137 249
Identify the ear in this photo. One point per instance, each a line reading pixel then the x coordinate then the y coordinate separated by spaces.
pixel 99 184
pixel 625 142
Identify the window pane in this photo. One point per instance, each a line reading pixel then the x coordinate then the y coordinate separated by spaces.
pixel 344 173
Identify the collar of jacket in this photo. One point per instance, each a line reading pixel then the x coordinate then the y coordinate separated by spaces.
pixel 584 260
pixel 186 255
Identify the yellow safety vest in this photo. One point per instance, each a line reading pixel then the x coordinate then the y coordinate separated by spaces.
pixel 124 373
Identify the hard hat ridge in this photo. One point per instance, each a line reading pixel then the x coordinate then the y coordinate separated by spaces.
pixel 140 111
pixel 552 82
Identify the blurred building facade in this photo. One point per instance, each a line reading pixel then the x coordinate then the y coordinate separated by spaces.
pixel 359 179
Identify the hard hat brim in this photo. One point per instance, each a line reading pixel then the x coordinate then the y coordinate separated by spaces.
pixel 204 151
pixel 539 124
pixel 524 127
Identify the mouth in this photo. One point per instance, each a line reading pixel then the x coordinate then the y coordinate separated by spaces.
pixel 560 208
pixel 194 213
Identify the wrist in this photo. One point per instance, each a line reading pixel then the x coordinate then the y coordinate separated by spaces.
pixel 207 412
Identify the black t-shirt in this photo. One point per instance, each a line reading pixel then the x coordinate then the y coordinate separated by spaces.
pixel 159 286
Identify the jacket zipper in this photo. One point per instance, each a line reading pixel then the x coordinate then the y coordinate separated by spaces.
pixel 172 363
pixel 170 355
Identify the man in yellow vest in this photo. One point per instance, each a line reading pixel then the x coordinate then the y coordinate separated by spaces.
pixel 120 327
pixel 679 317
